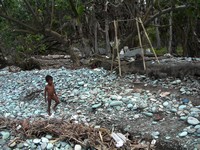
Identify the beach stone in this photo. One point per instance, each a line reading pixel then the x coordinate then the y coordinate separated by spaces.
pixel 43 145
pixel 165 104
pixel 96 105
pixel 136 116
pixel 116 103
pixel 5 135
pixel 197 127
pixel 26 144
pixel 155 134
pixel 77 147
pixel 191 131
pixel 12 145
pixel 148 114
pixel 49 146
pixel 129 106
pixel 185 101
pixel 45 140
pixel 81 83
pixel 36 141
pixel 195 109
pixel 192 121
pixel 68 147
pixel 176 82
pixel 167 137
pixel 181 107
pixel 113 97
pixel 48 136
pixel 174 110
pixel 198 131
pixel 20 145
pixel 182 134
pixel 2 142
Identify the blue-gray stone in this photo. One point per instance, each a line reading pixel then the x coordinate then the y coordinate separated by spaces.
pixel 2 142
pixel 165 104
pixel 116 103
pixel 155 134
pixel 68 147
pixel 182 134
pixel 20 145
pixel 48 136
pixel 174 110
pixel 96 105
pixel 5 135
pixel 197 127
pixel 81 83
pixel 43 145
pixel 130 106
pixel 183 117
pixel 148 114
pixel 182 107
pixel 198 131
pixel 192 121
pixel 49 146
pixel 36 141
pixel 113 97
pixel 45 140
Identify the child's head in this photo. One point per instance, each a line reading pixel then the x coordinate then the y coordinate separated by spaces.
pixel 49 79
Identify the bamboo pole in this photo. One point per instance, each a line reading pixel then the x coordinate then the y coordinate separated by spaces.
pixel 148 39
pixel 140 41
pixel 117 47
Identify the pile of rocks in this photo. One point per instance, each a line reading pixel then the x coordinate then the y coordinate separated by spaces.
pixel 87 96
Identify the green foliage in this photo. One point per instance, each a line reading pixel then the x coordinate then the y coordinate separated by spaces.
pixel 31 44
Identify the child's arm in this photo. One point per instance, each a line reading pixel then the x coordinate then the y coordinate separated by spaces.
pixel 45 93
pixel 54 91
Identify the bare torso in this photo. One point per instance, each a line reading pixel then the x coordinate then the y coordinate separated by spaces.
pixel 50 91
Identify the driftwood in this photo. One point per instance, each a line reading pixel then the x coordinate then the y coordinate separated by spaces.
pixel 162 70
pixel 99 139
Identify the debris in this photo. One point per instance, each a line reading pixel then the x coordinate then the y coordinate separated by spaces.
pixel 119 138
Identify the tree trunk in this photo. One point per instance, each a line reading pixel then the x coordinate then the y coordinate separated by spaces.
pixel 86 48
pixel 158 41
pixel 96 38
pixel 170 34
pixel 108 50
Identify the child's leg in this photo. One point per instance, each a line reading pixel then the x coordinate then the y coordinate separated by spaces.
pixel 57 102
pixel 49 106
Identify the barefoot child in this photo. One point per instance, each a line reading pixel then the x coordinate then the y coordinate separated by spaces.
pixel 51 93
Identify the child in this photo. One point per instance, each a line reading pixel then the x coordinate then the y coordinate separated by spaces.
pixel 51 93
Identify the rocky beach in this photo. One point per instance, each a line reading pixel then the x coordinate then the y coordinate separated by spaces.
pixel 162 112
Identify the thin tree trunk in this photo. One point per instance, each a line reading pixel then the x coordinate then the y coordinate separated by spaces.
pixel 95 38
pixel 170 34
pixel 108 50
pixel 158 44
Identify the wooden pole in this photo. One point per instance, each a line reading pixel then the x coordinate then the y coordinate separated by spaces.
pixel 117 47
pixel 148 39
pixel 140 41
pixel 113 50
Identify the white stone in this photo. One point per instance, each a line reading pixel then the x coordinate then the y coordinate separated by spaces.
pixel 77 147
pixel 5 135
pixel 182 134
pixel 36 141
pixel 45 140
pixel 13 144
pixel 192 121
pixel 49 146
pixel 165 104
